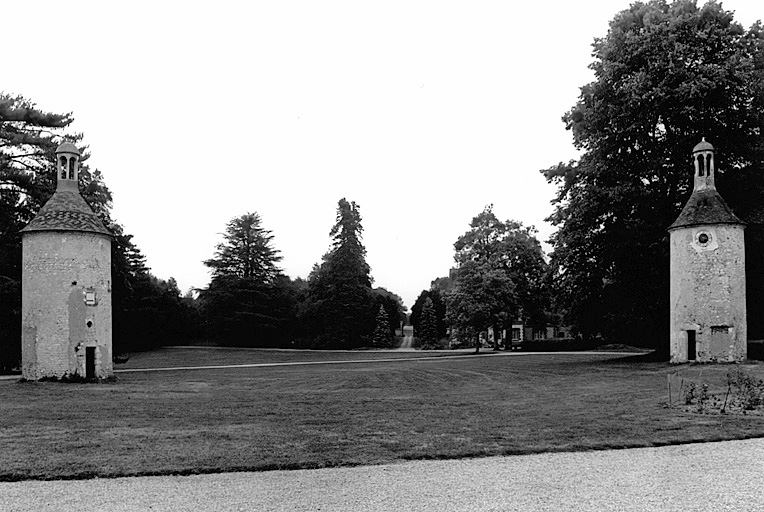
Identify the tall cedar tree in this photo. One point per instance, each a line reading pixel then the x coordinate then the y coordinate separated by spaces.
pixel 340 292
pixel 246 251
pixel 28 140
pixel 499 276
pixel 666 74
pixel 248 302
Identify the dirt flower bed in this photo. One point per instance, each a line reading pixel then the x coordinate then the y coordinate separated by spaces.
pixel 741 393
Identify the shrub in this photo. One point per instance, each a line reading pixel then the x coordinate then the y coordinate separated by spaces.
pixel 697 395
pixel 747 391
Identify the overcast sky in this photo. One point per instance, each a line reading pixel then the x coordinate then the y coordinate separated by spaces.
pixel 422 112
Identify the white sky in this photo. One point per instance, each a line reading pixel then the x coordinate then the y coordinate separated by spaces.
pixel 422 112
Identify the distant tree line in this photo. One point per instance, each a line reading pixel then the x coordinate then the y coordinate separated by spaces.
pixel 251 302
pixel 248 302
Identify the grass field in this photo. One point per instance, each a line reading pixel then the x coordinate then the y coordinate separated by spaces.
pixel 191 421
pixel 199 356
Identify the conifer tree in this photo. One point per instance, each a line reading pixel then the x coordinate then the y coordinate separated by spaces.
pixel 340 293
pixel 249 301
pixel 246 251
pixel 428 330
pixel 382 334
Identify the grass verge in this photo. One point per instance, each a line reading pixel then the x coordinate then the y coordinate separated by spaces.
pixel 185 422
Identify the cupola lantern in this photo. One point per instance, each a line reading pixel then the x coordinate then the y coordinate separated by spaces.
pixel 68 164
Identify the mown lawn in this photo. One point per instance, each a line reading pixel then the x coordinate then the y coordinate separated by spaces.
pixel 346 414
pixel 171 357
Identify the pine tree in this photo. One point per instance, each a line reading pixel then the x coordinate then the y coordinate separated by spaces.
pixel 340 292
pixel 382 335
pixel 428 330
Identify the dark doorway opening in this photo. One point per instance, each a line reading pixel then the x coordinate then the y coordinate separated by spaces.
pixel 691 345
pixel 90 372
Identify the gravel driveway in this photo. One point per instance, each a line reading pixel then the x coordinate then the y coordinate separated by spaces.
pixel 712 476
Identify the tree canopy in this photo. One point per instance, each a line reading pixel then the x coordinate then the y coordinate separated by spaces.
pixel 666 74
pixel 248 301
pixel 247 251
pixel 499 275
pixel 437 297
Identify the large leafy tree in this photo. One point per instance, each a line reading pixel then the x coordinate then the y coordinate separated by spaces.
pixel 666 74
pixel 249 301
pixel 340 293
pixel 499 274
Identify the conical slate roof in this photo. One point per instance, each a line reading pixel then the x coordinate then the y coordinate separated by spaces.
pixel 66 211
pixel 705 207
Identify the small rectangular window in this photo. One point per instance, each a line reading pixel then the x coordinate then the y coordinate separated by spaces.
pixel 90 297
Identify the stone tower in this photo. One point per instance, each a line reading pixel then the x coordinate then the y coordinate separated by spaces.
pixel 66 283
pixel 707 298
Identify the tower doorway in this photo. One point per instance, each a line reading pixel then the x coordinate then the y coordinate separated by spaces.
pixel 90 370
pixel 691 343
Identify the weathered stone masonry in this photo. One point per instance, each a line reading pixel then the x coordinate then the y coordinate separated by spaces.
pixel 66 284
pixel 707 292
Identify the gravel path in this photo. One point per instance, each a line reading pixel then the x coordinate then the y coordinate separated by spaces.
pixel 699 477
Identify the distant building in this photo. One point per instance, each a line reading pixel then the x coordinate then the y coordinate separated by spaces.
pixel 525 332
pixel 66 284
pixel 707 298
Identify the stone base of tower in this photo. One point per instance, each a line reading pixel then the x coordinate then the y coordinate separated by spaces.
pixel 708 344
pixel 707 294
pixel 66 327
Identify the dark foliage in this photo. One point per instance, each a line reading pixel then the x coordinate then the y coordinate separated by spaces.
pixel 243 311
pixel 382 337
pixel 142 307
pixel 340 298
pixel 666 74
pixel 499 276
pixel 439 306
pixel 249 302
pixel 428 327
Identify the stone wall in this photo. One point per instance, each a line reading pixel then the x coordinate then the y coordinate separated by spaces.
pixel 708 293
pixel 66 303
